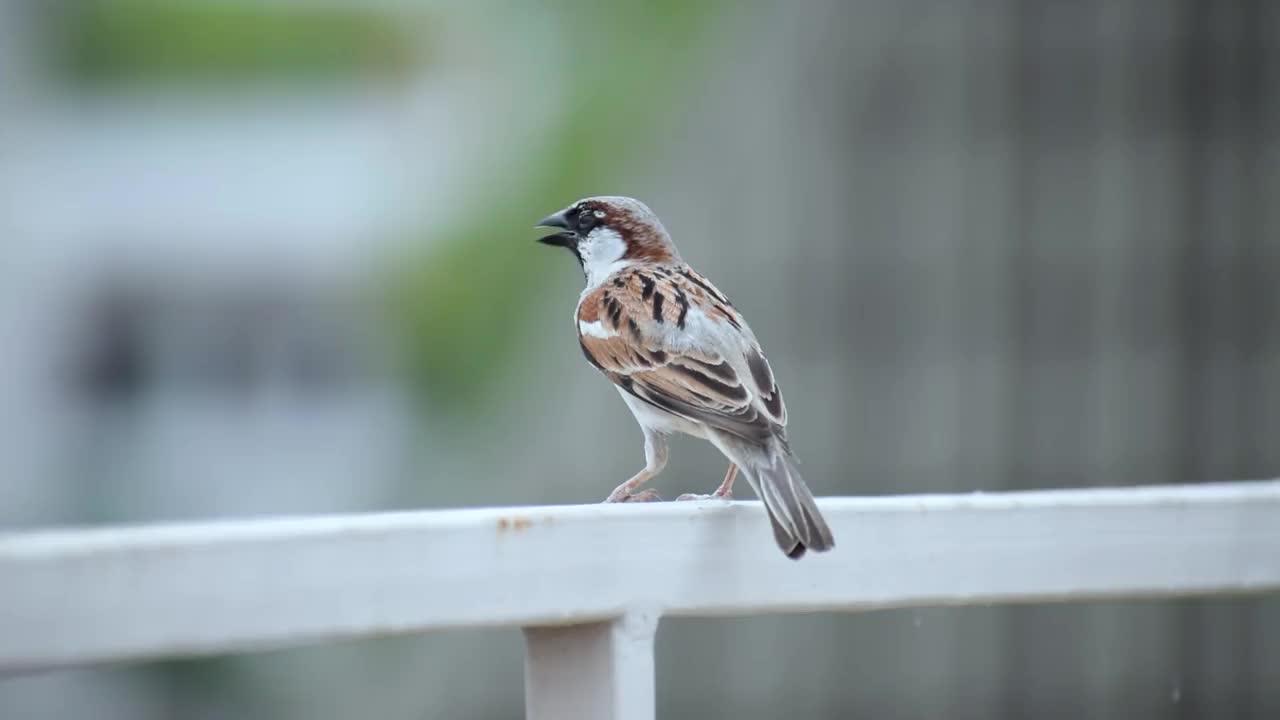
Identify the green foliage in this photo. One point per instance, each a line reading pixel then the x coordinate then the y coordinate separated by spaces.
pixel 130 41
pixel 461 307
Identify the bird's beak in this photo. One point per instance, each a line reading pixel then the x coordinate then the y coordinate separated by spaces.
pixel 560 239
pixel 555 220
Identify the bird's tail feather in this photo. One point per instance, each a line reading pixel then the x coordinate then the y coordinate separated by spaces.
pixel 798 525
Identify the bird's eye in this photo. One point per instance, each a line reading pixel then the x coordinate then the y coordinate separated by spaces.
pixel 588 219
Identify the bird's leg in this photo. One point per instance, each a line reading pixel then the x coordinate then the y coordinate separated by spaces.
pixel 724 492
pixel 655 458
pixel 726 487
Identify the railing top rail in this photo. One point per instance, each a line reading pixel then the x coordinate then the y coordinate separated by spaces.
pixel 80 596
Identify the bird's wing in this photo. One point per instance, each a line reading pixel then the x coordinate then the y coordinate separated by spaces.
pixel 667 336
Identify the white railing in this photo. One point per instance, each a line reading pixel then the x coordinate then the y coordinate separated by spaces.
pixel 589 583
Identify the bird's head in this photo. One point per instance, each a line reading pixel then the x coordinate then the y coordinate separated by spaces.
pixel 607 233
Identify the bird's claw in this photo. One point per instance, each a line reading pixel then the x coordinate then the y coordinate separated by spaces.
pixel 712 496
pixel 647 495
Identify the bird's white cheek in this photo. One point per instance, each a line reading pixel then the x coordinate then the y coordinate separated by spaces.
pixel 601 253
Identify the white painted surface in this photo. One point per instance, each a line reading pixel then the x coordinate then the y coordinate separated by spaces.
pixel 78 597
pixel 595 671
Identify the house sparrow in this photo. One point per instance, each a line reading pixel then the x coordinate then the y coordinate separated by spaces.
pixel 684 360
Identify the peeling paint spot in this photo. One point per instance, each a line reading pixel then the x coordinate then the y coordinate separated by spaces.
pixel 518 523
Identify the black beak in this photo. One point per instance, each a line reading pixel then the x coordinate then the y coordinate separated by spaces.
pixel 561 239
pixel 556 220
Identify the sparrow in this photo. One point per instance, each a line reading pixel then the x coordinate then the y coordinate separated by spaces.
pixel 684 360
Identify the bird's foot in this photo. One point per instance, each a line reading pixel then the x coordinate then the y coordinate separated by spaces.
pixel 726 495
pixel 621 495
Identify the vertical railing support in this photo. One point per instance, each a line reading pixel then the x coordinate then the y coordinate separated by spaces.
pixel 593 671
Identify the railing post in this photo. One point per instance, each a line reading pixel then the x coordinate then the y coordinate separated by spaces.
pixel 593 671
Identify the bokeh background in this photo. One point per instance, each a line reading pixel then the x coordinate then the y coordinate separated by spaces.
pixel 276 258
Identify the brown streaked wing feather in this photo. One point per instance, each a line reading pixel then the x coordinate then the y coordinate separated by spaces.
pixel 770 393
pixel 643 313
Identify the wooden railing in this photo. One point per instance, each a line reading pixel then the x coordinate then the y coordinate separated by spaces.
pixel 590 583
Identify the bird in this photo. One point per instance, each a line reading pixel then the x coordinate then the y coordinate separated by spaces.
pixel 684 360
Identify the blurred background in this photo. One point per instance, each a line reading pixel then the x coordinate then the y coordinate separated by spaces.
pixel 277 258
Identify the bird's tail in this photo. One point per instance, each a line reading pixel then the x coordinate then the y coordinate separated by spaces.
pixel 798 525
